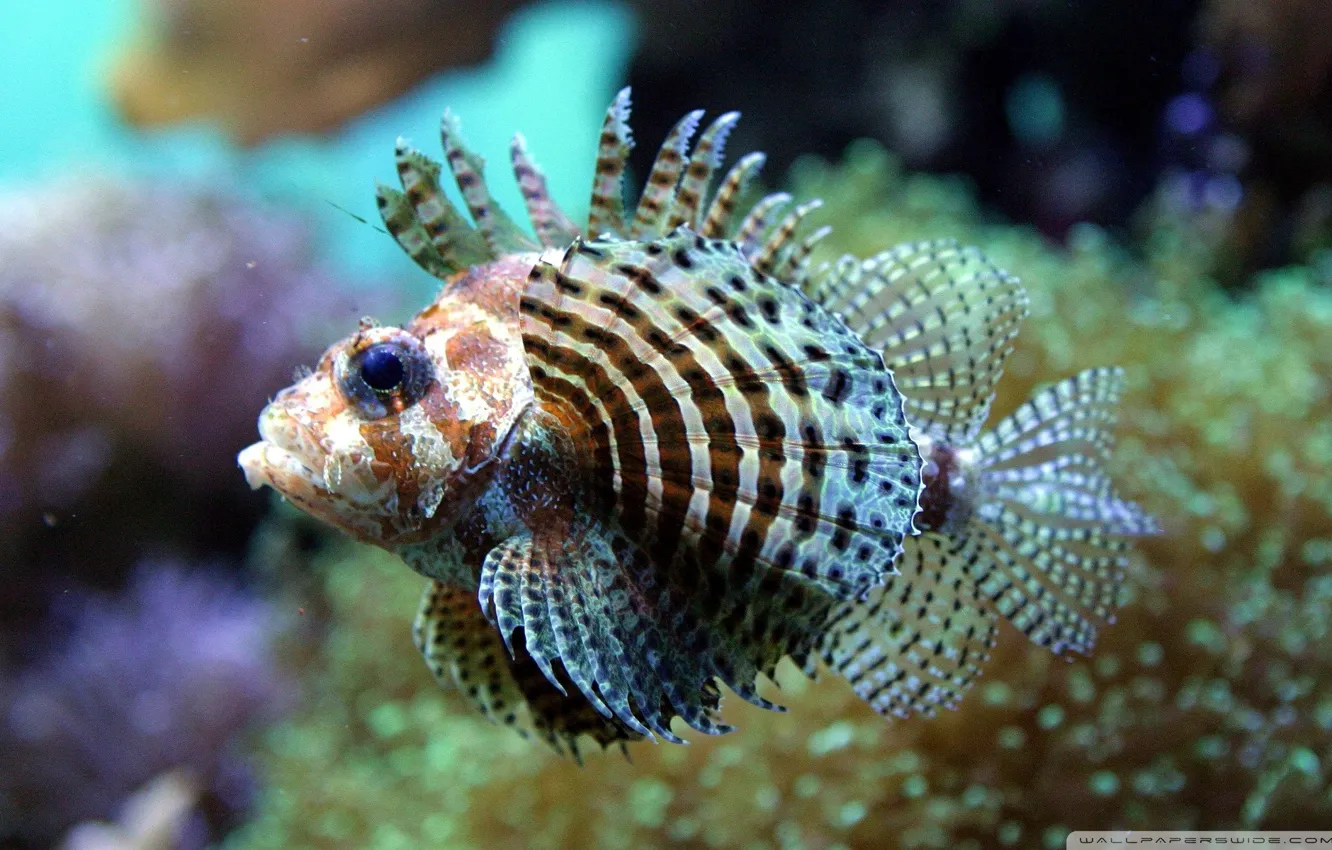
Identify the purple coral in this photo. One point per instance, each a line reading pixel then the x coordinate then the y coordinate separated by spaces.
pixel 152 316
pixel 163 678
pixel 141 328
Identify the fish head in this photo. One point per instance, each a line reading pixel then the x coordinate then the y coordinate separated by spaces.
pixel 393 434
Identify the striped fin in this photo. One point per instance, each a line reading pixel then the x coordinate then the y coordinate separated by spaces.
pixel 944 317
pixel 463 651
pixel 794 266
pixel 718 221
pixel 1049 542
pixel 707 156
pixel 606 210
pixel 780 243
pixel 580 612
pixel 553 228
pixel 659 192
pixel 499 231
pixel 749 235
pixel 733 429
pixel 402 224
pixel 454 240
pixel 919 641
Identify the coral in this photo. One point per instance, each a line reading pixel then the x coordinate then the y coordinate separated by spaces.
pixel 165 678
pixel 263 69
pixel 154 818
pixel 140 327
pixel 1208 704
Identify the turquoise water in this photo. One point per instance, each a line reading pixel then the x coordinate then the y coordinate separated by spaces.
pixel 555 67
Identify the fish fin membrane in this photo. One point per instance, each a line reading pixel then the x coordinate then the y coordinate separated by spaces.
pixel 500 233
pixel 944 317
pixel 724 409
pixel 730 427
pixel 553 226
pixel 464 652
pixel 918 642
pixel 676 195
pixel 1049 542
pixel 588 609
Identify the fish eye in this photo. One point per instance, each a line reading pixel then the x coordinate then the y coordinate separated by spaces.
pixel 383 371
pixel 382 368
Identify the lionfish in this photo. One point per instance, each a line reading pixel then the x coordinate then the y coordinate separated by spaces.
pixel 648 457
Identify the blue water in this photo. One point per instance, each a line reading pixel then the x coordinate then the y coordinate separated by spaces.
pixel 555 68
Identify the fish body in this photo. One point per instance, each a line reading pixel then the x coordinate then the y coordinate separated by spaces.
pixel 662 452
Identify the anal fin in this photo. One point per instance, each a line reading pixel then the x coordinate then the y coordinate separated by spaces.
pixel 918 642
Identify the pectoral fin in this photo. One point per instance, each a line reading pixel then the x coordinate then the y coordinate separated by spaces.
pixel 464 651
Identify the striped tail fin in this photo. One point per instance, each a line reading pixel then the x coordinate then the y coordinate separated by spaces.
pixel 1049 542
pixel 1043 542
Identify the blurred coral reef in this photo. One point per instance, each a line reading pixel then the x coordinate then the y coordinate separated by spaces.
pixel 264 69
pixel 140 328
pixel 154 818
pixel 1209 704
pixel 158 684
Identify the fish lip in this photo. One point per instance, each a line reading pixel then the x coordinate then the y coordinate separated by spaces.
pixel 277 459
pixel 267 463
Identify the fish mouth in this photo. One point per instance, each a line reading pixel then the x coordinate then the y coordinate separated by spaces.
pixel 278 460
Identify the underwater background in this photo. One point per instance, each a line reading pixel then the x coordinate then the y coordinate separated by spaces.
pixel 187 215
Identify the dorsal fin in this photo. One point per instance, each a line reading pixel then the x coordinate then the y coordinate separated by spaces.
pixel 553 228
pixel 688 208
pixel 659 192
pixel 494 224
pixel 606 210
pixel 717 223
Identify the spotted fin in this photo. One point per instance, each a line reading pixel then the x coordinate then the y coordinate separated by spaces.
pixel 944 317
pixel 463 651
pixel 606 209
pixel 659 194
pixel 717 223
pixel 919 641
pixel 578 606
pixel 1049 541
pixel 707 155
pixel 734 430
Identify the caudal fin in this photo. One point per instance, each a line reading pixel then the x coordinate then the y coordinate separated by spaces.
pixel 1049 542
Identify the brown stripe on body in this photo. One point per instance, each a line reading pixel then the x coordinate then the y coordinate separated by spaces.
pixel 629 450
pixel 664 415
pixel 725 451
pixel 577 413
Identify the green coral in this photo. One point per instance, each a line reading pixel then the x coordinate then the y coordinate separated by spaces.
pixel 1208 704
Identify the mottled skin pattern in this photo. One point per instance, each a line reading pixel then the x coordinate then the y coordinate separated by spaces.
pixel 441 482
pixel 661 457
pixel 405 479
